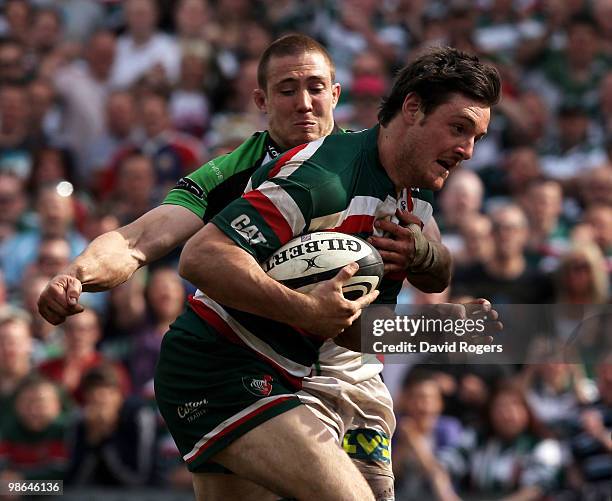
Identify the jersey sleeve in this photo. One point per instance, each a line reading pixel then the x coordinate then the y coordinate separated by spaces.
pixel 192 191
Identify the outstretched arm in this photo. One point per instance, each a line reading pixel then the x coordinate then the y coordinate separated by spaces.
pixel 113 257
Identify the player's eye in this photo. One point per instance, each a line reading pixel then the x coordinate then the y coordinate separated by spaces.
pixel 317 90
pixel 287 92
pixel 458 128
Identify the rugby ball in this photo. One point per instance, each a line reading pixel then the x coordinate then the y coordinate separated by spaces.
pixel 312 258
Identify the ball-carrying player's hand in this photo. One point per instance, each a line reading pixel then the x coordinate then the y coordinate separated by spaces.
pixel 398 249
pixel 330 312
pixel 60 299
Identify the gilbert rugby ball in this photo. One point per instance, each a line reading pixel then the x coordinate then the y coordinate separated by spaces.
pixel 312 258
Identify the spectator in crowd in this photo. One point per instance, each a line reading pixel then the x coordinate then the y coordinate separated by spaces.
pixel 596 186
pixel 143 48
pixel 53 255
pixel 573 151
pixel 555 391
pixel 15 352
pixel 422 432
pixel 359 25
pixel 51 165
pixel 114 439
pixel 120 131
pixel 476 234
pixel 548 232
pixel 135 191
pixel 46 32
pixel 16 143
pixel 192 20
pixel 81 334
pixel 56 215
pixel 18 16
pixel 520 462
pixel 520 167
pixel 12 205
pixel 32 446
pixel 45 115
pixel 460 201
pixel 582 276
pixel 174 154
pixel 165 296
pixel 12 59
pixel 83 86
pixel 189 105
pixel 505 278
pixel 590 472
pixel 574 71
pixel 366 93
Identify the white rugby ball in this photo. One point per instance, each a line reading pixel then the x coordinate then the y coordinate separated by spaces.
pixel 309 259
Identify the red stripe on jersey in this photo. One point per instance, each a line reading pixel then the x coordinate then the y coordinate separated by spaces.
pixel 355 224
pixel 409 202
pixel 235 424
pixel 214 319
pixel 271 215
pixel 284 158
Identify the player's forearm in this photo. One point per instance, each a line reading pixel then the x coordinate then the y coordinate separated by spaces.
pixel 437 277
pixel 113 257
pixel 231 276
pixel 107 262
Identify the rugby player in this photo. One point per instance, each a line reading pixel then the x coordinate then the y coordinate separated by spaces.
pixel 297 91
pixel 245 326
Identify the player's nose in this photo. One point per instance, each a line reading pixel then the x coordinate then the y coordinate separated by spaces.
pixel 304 101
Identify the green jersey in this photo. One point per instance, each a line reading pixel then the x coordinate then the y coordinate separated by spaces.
pixel 336 184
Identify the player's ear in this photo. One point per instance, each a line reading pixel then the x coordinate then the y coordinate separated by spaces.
pixel 336 89
pixel 411 108
pixel 259 98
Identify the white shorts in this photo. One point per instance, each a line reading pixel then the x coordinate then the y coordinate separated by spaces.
pixel 354 404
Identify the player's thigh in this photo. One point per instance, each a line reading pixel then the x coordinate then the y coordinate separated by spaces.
pixel 223 487
pixel 294 455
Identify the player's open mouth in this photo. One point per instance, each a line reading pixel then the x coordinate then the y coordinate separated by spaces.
pixel 445 164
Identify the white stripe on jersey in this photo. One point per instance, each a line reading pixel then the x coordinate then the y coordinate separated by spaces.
pixel 252 341
pixel 228 422
pixel 422 209
pixel 359 206
pixel 292 164
pixel 285 205
pixel 298 159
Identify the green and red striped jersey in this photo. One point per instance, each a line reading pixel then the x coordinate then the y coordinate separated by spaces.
pixel 333 184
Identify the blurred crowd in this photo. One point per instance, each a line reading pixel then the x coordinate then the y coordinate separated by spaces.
pixel 105 104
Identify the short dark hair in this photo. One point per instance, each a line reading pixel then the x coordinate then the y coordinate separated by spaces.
pixel 290 45
pixel 436 76
pixel 101 376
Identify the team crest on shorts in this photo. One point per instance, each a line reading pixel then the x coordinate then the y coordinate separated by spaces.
pixel 260 387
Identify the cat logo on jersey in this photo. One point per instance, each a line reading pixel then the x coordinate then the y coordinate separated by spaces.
pixel 249 231
pixel 260 387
